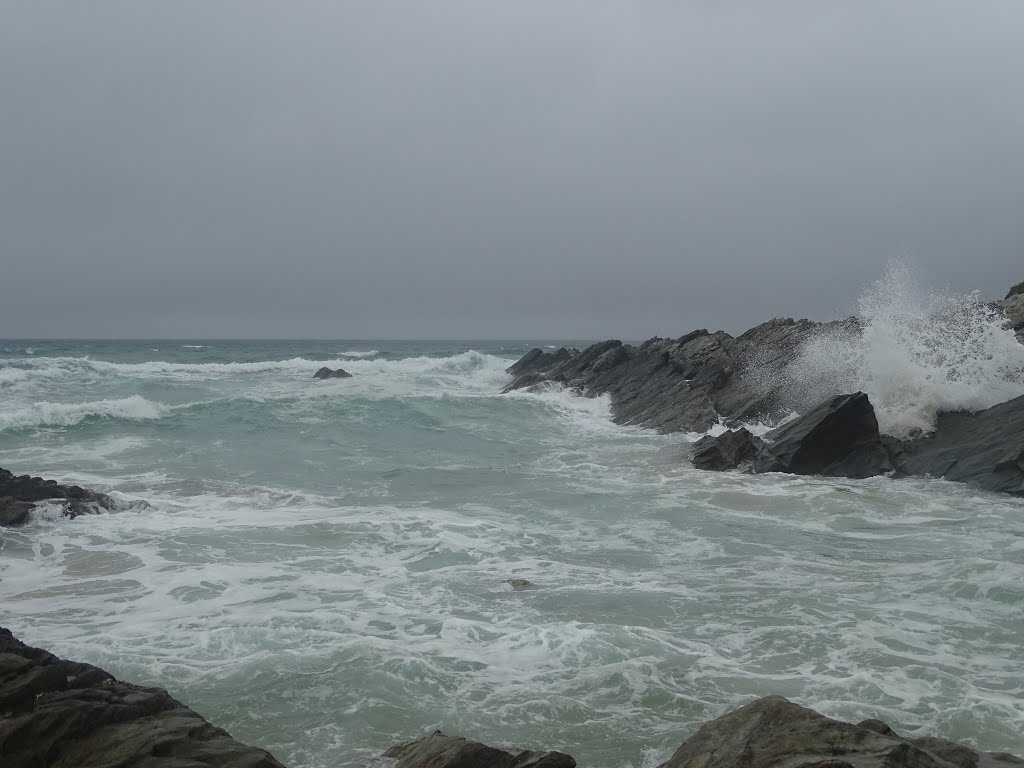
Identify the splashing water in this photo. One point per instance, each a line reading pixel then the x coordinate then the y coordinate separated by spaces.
pixel 914 352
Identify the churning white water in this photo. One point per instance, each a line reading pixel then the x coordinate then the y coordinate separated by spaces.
pixel 914 351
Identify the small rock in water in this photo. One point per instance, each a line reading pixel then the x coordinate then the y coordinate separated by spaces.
pixel 327 373
pixel 518 584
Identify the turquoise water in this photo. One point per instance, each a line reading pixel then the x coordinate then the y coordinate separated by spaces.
pixel 322 567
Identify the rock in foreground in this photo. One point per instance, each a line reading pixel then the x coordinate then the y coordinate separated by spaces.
pixel 19 494
pixel 328 373
pixel 63 713
pixel 776 733
pixel 440 751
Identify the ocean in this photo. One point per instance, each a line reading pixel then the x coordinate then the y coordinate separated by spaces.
pixel 322 566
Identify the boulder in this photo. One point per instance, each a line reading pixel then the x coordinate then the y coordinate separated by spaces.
pixel 728 450
pixel 327 373
pixel 440 751
pixel 56 712
pixel 776 733
pixel 838 438
pixel 20 493
pixel 984 449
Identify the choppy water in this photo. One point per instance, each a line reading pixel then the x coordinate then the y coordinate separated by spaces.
pixel 322 568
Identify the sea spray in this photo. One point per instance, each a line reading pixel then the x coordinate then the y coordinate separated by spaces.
pixel 914 351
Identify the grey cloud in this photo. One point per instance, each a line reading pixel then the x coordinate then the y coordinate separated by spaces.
pixel 529 169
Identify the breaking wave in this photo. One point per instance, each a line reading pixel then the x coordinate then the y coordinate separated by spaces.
pixel 914 352
pixel 47 414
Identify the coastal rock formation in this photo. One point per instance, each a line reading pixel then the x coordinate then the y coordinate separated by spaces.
pixel 675 385
pixel 728 450
pixel 773 732
pixel 19 494
pixel 56 712
pixel 838 438
pixel 985 449
pixel 440 751
pixel 327 373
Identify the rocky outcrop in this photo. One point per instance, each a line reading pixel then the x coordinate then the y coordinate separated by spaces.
pixel 984 449
pixel 55 712
pixel 728 450
pixel 327 373
pixel 19 494
pixel 676 385
pixel 1013 307
pixel 838 438
pixel 440 751
pixel 776 733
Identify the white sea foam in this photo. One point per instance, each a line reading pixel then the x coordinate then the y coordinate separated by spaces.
pixel 358 353
pixel 47 414
pixel 917 352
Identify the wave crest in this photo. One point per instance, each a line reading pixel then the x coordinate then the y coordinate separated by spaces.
pixel 47 414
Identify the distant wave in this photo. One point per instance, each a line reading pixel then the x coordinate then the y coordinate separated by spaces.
pixel 356 353
pixel 195 346
pixel 47 414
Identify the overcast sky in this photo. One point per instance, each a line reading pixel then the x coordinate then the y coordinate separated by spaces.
pixel 515 169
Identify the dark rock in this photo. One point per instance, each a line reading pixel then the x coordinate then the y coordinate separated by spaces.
pixel 838 438
pixel 539 361
pixel 774 733
pixel 327 373
pixel 518 584
pixel 56 712
pixel 19 494
pixel 728 450
pixel 984 449
pixel 675 385
pixel 440 751
pixel 1017 290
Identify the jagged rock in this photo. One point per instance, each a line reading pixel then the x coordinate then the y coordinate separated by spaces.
pixel 838 438
pixel 776 733
pixel 440 751
pixel 518 584
pixel 728 450
pixel 56 712
pixel 539 361
pixel 19 494
pixel 1013 307
pixel 985 449
pixel 675 385
pixel 327 373
pixel 1017 290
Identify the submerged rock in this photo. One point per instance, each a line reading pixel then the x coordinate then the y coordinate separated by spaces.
pixel 19 494
pixel 728 450
pixel 518 584
pixel 56 712
pixel 327 373
pixel 776 733
pixel 440 751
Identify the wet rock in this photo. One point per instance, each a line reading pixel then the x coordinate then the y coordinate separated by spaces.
pixel 728 450
pixel 19 494
pixel 984 449
pixel 327 373
pixel 838 438
pixel 773 732
pixel 518 584
pixel 674 385
pixel 440 751
pixel 56 712
pixel 539 361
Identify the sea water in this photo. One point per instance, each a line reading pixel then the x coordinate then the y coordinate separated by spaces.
pixel 322 567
